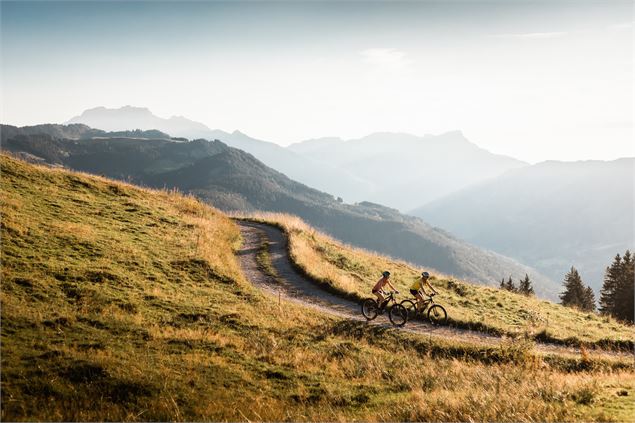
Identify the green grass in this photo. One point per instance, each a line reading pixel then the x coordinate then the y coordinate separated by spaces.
pixel 119 303
pixel 352 272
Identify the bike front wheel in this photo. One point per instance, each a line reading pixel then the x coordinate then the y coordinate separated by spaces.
pixel 437 315
pixel 370 309
pixel 411 308
pixel 398 315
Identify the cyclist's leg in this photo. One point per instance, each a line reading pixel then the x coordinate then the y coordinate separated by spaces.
pixel 383 301
pixel 415 293
pixel 380 297
pixel 420 299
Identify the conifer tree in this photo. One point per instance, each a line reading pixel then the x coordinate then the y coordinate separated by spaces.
pixel 525 287
pixel 588 300
pixel 609 287
pixel 573 289
pixel 624 290
pixel 502 285
pixel 509 285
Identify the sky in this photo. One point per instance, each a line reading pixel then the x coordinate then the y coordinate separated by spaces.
pixel 535 80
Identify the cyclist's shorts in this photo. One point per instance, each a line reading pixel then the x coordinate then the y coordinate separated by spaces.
pixel 414 292
pixel 377 290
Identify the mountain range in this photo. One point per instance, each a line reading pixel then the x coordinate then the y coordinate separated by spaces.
pixel 235 180
pixel 400 170
pixel 405 170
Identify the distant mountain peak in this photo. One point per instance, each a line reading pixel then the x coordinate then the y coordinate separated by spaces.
pixel 455 136
pixel 132 108
pixel 133 117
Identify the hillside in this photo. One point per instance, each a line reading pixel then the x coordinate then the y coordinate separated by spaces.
pixel 566 214
pixel 120 303
pixel 234 180
pixel 77 131
pixel 351 272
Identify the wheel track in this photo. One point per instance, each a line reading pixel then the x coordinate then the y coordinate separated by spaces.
pixel 292 285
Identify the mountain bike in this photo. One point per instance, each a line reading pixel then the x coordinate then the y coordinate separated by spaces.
pixel 397 313
pixel 436 312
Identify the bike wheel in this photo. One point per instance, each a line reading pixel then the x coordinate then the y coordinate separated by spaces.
pixel 411 308
pixel 398 315
pixel 437 315
pixel 369 308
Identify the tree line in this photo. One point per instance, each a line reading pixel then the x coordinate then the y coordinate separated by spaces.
pixel 616 297
pixel 524 286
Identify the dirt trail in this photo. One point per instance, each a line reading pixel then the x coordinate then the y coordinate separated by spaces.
pixel 291 285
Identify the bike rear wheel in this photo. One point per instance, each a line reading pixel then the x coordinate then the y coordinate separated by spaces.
pixel 411 308
pixel 398 315
pixel 369 309
pixel 437 315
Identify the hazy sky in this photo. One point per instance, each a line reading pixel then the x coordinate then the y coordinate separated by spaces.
pixel 534 80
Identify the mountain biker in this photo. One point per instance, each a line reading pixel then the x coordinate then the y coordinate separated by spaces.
pixel 378 288
pixel 417 287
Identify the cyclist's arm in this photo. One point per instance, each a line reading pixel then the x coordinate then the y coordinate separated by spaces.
pixel 430 286
pixel 391 285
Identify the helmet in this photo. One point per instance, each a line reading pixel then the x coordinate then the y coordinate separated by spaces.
pixel 425 274
pixel 386 273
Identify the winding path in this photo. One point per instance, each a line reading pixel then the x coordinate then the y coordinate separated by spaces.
pixel 293 286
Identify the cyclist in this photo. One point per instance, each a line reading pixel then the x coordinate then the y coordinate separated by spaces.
pixel 417 287
pixel 378 288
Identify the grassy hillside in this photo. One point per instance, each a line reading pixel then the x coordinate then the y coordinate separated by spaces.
pixel 353 272
pixel 119 303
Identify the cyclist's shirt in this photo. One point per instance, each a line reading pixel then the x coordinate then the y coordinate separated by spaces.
pixel 416 286
pixel 380 284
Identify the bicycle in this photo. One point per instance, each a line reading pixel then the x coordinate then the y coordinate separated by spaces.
pixel 397 314
pixel 436 312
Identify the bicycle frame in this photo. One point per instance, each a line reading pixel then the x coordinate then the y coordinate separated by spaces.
pixel 389 298
pixel 424 305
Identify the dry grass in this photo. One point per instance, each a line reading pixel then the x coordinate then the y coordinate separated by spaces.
pixel 126 304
